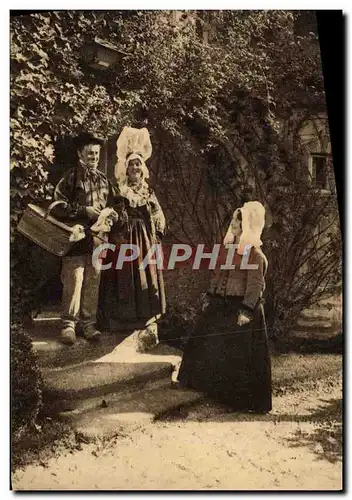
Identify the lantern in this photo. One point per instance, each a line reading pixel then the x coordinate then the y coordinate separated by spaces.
pixel 100 54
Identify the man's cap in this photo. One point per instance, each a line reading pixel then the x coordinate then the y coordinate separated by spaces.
pixel 86 138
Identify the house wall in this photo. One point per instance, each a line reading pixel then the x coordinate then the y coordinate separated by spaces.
pixel 326 316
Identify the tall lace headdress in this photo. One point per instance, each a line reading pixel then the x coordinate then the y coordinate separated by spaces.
pixel 132 143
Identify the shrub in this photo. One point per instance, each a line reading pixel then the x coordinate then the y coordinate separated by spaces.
pixel 26 382
pixel 177 324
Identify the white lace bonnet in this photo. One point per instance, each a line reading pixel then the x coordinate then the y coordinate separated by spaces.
pixel 253 222
pixel 134 143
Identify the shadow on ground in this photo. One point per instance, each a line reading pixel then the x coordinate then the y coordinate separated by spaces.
pixel 326 440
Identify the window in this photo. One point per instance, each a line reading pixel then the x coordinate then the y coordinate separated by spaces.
pixel 318 170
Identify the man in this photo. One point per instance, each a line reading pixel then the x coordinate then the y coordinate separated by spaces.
pixel 85 190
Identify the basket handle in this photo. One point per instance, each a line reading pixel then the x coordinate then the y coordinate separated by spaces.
pixel 53 205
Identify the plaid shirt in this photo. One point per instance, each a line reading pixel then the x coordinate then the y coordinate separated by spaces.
pixel 81 188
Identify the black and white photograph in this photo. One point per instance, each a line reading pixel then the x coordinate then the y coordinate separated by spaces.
pixel 176 251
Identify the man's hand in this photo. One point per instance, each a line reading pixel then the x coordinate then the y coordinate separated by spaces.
pixel 92 213
pixel 105 221
pixel 242 320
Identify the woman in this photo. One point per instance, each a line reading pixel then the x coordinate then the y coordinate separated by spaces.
pixel 227 356
pixel 133 296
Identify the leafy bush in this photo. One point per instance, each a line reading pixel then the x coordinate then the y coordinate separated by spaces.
pixel 26 382
pixel 53 438
pixel 177 324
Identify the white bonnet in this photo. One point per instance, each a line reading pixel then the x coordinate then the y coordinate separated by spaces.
pixel 253 222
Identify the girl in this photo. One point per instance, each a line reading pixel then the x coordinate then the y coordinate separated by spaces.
pixel 227 355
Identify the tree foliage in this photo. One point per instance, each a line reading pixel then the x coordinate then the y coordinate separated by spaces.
pixel 224 118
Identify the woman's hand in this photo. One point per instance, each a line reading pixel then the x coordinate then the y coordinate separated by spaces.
pixel 242 319
pixel 204 300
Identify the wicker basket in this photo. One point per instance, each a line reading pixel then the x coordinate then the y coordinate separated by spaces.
pixel 40 227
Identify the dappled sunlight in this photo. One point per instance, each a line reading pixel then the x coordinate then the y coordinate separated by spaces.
pixel 126 352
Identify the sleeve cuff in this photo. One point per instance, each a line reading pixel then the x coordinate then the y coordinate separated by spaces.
pixel 81 210
pixel 246 310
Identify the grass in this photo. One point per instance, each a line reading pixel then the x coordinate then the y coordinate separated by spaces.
pixel 292 372
pixel 51 438
pixel 311 344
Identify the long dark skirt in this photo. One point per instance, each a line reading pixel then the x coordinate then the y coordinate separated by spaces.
pixel 228 362
pixel 131 296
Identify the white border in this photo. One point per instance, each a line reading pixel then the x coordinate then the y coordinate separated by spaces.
pixel 181 5
pixel 4 256
pixel 347 299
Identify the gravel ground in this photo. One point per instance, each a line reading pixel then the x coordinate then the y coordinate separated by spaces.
pixel 295 447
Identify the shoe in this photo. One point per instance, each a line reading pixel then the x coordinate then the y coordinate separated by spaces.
pixel 175 385
pixel 68 335
pixel 259 411
pixel 91 334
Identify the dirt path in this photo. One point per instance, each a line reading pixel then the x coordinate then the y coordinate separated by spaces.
pixel 297 446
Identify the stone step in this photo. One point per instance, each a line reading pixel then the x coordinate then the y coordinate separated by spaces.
pixel 98 379
pixel 331 302
pixel 315 324
pixel 312 334
pixel 123 412
pixel 51 353
pixel 317 314
pixel 113 373
pixel 106 388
